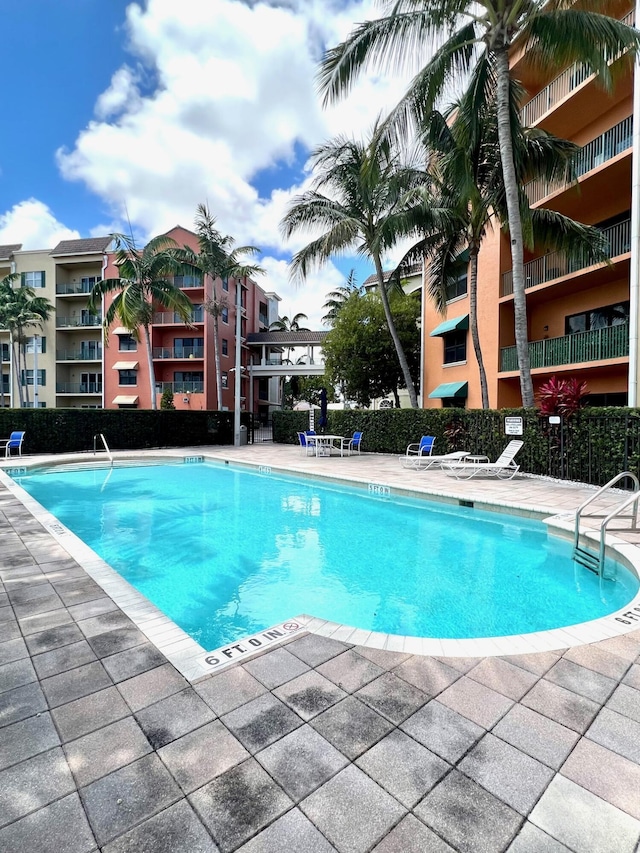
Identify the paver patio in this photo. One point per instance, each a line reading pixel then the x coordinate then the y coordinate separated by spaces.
pixel 313 747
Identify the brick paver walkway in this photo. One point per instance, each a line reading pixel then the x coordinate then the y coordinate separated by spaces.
pixel 313 747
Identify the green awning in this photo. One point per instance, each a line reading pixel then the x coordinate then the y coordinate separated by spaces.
pixel 450 389
pixel 451 326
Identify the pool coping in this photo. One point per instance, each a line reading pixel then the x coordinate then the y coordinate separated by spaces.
pixel 194 662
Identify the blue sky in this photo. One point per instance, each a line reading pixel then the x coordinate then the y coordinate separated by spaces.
pixel 139 111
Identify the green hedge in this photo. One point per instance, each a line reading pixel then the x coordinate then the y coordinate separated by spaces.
pixel 68 430
pixel 592 447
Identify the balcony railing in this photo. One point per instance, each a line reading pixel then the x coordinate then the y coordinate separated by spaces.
pixel 560 87
pixel 178 352
pixel 78 387
pixel 595 345
pixel 165 318
pixel 599 150
pixel 79 355
pixel 556 264
pixel 73 288
pixel 78 322
pixel 180 387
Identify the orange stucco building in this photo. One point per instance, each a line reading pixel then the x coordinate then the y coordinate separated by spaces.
pixel 582 318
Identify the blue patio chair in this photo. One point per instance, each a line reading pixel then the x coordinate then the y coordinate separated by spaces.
pixel 419 450
pixel 307 442
pixel 351 445
pixel 14 442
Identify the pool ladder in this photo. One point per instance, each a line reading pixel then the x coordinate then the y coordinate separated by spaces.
pixel 105 445
pixel 595 562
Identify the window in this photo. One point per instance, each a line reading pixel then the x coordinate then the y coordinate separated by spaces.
pixel 225 284
pixel 90 350
pixel 225 346
pixel 225 315
pixel 189 347
pixel 30 405
pixel 26 377
pixel 187 280
pixel 127 377
pixel 597 318
pixel 31 344
pixel 90 383
pixel 188 380
pixel 453 402
pixel 458 287
pixel 127 343
pixel 5 352
pixel 225 379
pixel 263 317
pixel 32 279
pixel 455 347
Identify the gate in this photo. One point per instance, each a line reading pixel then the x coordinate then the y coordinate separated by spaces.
pixel 261 430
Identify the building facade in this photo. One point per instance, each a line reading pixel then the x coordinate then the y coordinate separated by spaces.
pixel 69 360
pixel 582 317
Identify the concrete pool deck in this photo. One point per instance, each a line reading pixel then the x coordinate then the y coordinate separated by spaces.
pixel 317 745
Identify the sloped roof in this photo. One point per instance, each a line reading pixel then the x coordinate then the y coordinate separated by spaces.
pixel 373 279
pixel 82 247
pixel 287 338
pixel 8 250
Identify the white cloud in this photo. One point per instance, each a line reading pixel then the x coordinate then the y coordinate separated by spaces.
pixel 33 224
pixel 234 93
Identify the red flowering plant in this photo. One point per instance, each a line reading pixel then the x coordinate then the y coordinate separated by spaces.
pixel 561 396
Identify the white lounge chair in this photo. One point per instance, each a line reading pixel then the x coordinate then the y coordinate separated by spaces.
pixel 423 463
pixel 504 467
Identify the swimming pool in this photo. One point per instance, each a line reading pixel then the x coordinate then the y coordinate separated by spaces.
pixel 226 552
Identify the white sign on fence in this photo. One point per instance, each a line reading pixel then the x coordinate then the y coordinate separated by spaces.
pixel 513 426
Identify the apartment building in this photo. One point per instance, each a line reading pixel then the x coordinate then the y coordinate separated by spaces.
pixel 61 365
pixel 69 361
pixel 579 314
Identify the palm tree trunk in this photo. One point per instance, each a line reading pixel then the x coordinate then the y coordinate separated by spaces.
pixel 22 347
pixel 216 346
pixel 152 372
pixel 473 316
pixel 16 368
pixel 404 366
pixel 515 225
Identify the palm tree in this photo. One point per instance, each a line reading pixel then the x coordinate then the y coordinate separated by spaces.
pixel 143 283
pixel 6 301
pixel 365 207
pixel 466 197
pixel 337 298
pixel 476 33
pixel 19 309
pixel 219 260
pixel 284 324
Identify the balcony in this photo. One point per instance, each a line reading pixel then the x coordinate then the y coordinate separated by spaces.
pixel 558 89
pixel 595 345
pixel 178 352
pixel 556 264
pixel 78 322
pixel 78 387
pixel 80 355
pixel 74 288
pixel 180 387
pixel 601 149
pixel 170 318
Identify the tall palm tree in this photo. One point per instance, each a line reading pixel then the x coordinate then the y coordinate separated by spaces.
pixel 218 259
pixel 364 207
pixel 466 198
pixel 21 308
pixel 6 301
pixel 143 284
pixel 470 32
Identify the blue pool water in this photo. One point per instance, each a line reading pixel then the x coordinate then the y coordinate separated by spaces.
pixel 227 552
